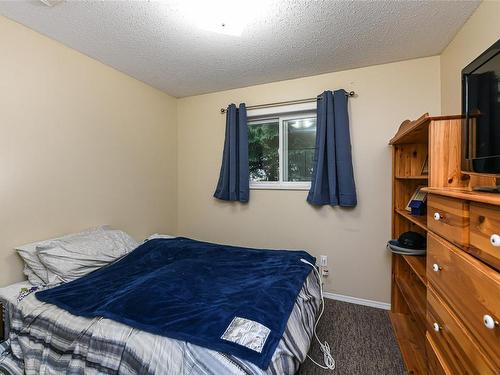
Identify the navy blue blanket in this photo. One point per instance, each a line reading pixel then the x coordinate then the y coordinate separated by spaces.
pixel 191 290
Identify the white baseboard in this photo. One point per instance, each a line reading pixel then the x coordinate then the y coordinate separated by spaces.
pixel 358 301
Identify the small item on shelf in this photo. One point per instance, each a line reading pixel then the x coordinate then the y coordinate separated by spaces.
pixel 425 166
pixel 408 243
pixel 418 202
pixel 418 208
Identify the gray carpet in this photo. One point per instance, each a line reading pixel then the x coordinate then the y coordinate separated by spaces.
pixel 361 339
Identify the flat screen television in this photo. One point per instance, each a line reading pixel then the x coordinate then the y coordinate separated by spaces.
pixel 481 113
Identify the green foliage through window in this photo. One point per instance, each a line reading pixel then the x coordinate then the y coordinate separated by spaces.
pixel 263 146
pixel 298 139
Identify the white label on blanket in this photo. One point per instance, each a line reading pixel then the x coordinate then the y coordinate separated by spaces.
pixel 248 333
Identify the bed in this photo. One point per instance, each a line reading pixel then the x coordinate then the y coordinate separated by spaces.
pixel 46 339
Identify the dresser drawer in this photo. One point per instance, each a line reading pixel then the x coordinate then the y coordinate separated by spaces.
pixel 449 217
pixel 470 287
pixel 458 350
pixel 485 233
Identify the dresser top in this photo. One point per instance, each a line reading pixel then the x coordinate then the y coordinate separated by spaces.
pixel 475 196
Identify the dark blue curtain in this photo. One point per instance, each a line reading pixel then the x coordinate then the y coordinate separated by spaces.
pixel 234 179
pixel 332 178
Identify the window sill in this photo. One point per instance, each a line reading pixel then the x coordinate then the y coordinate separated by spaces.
pixel 280 186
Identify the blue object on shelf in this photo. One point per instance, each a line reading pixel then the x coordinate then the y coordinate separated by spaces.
pixel 418 208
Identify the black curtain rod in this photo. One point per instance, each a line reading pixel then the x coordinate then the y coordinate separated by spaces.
pixel 279 104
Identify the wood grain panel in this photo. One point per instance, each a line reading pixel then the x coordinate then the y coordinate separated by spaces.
pixel 410 159
pixel 457 346
pixel 484 222
pixel 414 294
pixel 474 196
pixel 417 264
pixel 398 302
pixel 445 154
pixel 454 222
pixel 470 288
pixel 435 360
pixel 411 342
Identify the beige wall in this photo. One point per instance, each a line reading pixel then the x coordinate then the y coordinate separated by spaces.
pixel 481 31
pixel 81 144
pixel 353 239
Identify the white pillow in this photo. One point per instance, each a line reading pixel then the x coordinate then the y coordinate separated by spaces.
pixel 28 253
pixel 158 235
pixel 32 277
pixel 31 260
pixel 67 259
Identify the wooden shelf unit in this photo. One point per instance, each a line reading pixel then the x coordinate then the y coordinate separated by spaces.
pixel 437 139
pixel 433 139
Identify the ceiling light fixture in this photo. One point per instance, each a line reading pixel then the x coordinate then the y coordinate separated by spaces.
pixel 228 17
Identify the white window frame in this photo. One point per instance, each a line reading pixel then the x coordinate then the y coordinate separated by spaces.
pixel 281 115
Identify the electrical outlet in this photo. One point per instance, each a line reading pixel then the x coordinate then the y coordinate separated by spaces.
pixel 323 260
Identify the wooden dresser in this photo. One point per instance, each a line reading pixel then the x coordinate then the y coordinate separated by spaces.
pixel 463 289
pixel 445 306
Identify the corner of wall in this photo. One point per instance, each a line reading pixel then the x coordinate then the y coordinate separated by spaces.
pixel 177 167
pixel 480 31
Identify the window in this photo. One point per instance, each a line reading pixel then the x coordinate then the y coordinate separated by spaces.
pixel 281 151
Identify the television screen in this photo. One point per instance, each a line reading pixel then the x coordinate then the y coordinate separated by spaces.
pixel 481 107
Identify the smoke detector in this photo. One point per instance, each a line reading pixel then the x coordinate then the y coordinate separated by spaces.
pixel 51 3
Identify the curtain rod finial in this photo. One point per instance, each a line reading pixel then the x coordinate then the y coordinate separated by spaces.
pixel 222 110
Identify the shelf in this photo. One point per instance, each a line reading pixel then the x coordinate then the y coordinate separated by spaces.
pixel 420 221
pixel 421 177
pixel 417 264
pixel 411 342
pixel 417 302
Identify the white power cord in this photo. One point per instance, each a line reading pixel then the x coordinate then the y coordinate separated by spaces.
pixel 325 347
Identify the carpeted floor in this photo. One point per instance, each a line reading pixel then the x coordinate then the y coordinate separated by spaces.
pixel 361 339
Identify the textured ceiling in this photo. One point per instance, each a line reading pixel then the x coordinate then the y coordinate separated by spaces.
pixel 161 43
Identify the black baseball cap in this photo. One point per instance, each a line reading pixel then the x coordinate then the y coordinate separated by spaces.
pixel 411 240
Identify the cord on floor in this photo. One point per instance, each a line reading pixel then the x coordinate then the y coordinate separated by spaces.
pixel 328 359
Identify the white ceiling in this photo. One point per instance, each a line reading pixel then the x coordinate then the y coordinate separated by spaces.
pixel 160 43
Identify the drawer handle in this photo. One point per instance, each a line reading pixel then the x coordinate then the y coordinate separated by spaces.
pixel 436 327
pixel 438 216
pixel 489 322
pixel 495 240
pixel 436 267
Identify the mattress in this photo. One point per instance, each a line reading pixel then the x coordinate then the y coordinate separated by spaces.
pixel 11 292
pixel 8 298
pixel 45 339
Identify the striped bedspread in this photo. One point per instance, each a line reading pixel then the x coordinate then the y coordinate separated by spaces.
pixel 45 339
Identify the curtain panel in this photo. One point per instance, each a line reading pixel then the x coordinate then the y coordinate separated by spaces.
pixel 234 177
pixel 332 181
